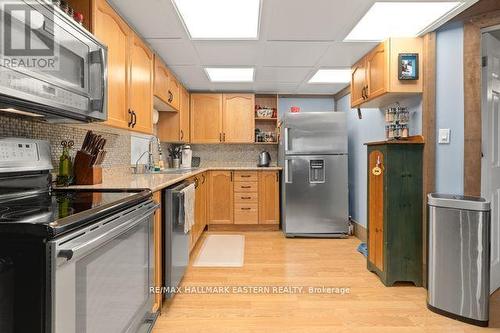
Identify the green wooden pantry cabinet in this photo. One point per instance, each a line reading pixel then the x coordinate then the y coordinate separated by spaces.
pixel 395 210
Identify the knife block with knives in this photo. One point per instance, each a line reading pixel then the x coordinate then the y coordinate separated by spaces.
pixel 87 166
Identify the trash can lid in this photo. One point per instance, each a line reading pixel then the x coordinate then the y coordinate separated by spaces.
pixel 458 201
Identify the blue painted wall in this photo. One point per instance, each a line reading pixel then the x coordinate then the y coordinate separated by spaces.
pixel 450 108
pixel 360 131
pixel 306 104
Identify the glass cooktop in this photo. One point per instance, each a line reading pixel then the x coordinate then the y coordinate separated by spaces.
pixel 62 211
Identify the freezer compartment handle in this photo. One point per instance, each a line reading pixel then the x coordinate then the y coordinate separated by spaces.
pixel 287 129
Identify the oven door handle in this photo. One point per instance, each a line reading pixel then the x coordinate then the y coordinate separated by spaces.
pixel 67 254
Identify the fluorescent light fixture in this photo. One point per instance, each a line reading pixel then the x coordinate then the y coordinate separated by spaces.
pixel 399 19
pixel 331 76
pixel 225 74
pixel 220 19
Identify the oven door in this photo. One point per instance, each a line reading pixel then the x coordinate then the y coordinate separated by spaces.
pixel 101 275
pixel 70 77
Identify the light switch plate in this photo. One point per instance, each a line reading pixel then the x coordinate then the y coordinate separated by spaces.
pixel 444 135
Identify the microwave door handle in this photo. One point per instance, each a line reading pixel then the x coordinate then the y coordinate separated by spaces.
pixel 98 105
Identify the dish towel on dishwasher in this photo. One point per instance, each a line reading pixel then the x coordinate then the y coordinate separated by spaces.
pixel 188 207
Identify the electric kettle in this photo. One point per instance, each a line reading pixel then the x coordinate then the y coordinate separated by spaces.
pixel 264 159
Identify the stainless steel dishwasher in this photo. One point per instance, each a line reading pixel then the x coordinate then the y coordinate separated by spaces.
pixel 459 257
pixel 176 240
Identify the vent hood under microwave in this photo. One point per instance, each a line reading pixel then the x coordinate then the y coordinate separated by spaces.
pixel 59 73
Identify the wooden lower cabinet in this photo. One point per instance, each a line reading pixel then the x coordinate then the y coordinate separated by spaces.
pixel 244 198
pixel 395 211
pixel 221 197
pixel 200 210
pixel 158 251
pixel 269 197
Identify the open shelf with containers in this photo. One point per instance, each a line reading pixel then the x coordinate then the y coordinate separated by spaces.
pixel 266 119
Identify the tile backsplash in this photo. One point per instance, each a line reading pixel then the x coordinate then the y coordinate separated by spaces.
pixel 236 155
pixel 117 146
pixel 124 147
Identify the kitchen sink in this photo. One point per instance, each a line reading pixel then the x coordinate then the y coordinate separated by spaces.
pixel 176 171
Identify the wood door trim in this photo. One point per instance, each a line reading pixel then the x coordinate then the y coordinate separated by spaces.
pixel 376 207
pixel 429 133
pixel 472 98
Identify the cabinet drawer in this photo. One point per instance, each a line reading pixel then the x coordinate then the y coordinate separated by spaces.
pixel 243 197
pixel 245 176
pixel 246 214
pixel 245 186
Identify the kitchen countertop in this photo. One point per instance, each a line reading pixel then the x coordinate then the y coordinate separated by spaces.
pixel 156 181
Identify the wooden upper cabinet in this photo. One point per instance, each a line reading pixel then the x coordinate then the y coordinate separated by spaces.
pixel 141 85
pixel 375 77
pixel 238 118
pixel 269 203
pixel 184 131
pixel 166 88
pixel 168 127
pixel 221 207
pixel 111 30
pixel 358 82
pixel 174 91
pixel 161 82
pixel 376 71
pixel 130 70
pixel 206 118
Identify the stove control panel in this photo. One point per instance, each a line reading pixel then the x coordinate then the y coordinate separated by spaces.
pixel 12 151
pixel 17 154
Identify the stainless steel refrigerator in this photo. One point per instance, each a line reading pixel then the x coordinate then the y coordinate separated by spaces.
pixel 313 154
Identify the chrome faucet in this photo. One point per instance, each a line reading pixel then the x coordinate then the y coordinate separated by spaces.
pixel 150 165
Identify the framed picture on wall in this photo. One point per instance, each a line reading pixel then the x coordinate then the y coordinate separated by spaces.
pixel 408 66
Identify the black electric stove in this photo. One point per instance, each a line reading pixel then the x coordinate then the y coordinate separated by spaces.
pixel 36 221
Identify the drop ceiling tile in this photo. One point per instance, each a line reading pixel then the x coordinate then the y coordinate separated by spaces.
pixel 233 86
pixel 282 74
pixel 228 53
pixel 331 88
pixel 276 87
pixel 188 74
pixel 175 51
pixel 151 18
pixel 303 54
pixel 344 54
pixel 313 19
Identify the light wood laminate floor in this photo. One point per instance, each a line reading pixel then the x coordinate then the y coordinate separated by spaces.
pixel 271 259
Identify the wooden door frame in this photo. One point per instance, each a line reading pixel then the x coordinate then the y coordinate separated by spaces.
pixel 472 98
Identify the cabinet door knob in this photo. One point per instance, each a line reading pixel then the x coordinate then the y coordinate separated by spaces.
pixel 182 134
pixel 130 121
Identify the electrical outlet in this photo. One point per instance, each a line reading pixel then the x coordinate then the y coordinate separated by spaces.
pixel 444 135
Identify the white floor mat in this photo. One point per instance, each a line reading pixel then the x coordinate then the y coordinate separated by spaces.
pixel 221 251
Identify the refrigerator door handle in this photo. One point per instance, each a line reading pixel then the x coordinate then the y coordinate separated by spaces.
pixel 286 138
pixel 288 167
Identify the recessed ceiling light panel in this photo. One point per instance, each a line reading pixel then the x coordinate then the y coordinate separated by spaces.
pixel 399 19
pixel 226 74
pixel 331 76
pixel 220 19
